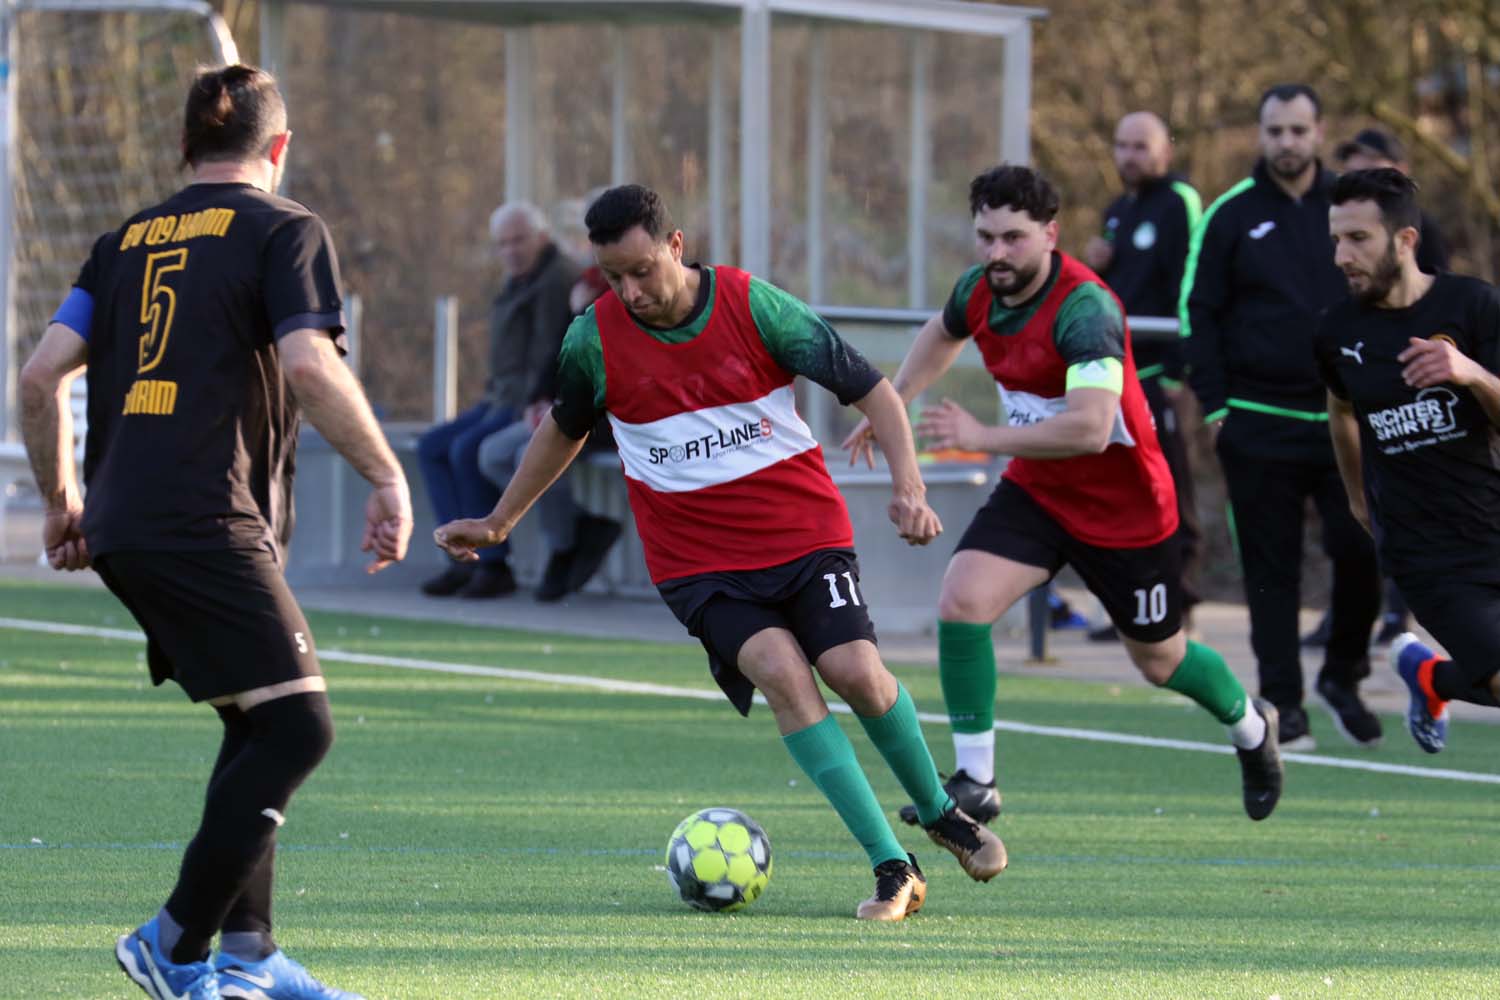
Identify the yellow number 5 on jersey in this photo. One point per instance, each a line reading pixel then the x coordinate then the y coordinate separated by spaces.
pixel 158 305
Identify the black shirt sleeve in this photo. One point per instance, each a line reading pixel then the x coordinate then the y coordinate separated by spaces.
pixel 1327 355
pixel 301 278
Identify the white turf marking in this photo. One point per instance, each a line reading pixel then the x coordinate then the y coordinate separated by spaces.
pixel 703 694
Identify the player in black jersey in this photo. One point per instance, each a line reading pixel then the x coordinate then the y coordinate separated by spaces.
pixel 1411 362
pixel 206 324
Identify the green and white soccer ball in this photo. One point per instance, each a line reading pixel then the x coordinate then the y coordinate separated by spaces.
pixel 719 859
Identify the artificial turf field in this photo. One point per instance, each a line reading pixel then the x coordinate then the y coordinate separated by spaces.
pixel 484 836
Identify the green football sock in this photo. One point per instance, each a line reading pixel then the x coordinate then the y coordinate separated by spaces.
pixel 825 753
pixel 898 737
pixel 966 667
pixel 1204 677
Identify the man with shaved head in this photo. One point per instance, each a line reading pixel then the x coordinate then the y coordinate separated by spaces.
pixel 1140 255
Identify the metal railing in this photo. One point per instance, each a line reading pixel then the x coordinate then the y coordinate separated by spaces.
pixel 880 329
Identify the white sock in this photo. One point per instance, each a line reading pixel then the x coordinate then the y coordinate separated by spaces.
pixel 1250 731
pixel 975 754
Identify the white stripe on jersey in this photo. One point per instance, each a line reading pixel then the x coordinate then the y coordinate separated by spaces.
pixel 718 444
pixel 1023 408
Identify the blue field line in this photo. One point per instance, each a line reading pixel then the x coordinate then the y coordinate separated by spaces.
pixel 706 694
pixel 1362 864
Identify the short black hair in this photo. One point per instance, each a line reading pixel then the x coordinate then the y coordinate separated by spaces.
pixel 1290 92
pixel 1391 190
pixel 232 113
pixel 620 209
pixel 1015 187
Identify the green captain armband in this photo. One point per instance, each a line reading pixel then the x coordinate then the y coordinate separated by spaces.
pixel 1101 373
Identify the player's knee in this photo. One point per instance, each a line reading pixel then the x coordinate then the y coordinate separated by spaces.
pixel 854 671
pixel 297 728
pixel 957 605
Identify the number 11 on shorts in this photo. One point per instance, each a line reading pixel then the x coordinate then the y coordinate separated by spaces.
pixel 836 600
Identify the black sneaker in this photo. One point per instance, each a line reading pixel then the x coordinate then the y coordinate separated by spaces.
pixel 554 585
pixel 490 580
pixel 1392 627
pixel 981 801
pixel 900 890
pixel 979 852
pixel 1261 770
pixel 1358 724
pixel 1318 637
pixel 1292 732
pixel 449 581
pixel 596 536
pixel 1104 633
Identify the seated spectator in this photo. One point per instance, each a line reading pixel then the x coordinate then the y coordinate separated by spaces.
pixel 577 541
pixel 527 322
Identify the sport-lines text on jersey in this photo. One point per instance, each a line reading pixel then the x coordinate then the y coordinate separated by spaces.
pixel 1431 413
pixel 708 446
pixel 176 228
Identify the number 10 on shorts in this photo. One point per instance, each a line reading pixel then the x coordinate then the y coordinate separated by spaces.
pixel 836 600
pixel 1151 605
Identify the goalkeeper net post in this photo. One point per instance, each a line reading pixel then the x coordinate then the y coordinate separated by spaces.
pixel 91 96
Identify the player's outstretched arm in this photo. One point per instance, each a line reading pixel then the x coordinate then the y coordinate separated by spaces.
pixel 335 404
pixel 886 414
pixel 47 430
pixel 931 354
pixel 547 456
pixel 1343 428
pixel 1082 428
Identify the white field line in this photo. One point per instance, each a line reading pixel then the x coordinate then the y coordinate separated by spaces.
pixel 704 694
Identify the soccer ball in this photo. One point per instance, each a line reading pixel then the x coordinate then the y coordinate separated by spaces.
pixel 719 859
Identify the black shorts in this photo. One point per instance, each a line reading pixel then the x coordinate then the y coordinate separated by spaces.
pixel 1141 589
pixel 217 621
pixel 816 598
pixel 1464 617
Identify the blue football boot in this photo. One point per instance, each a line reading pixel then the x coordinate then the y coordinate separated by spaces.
pixel 1426 717
pixel 139 954
pixel 275 977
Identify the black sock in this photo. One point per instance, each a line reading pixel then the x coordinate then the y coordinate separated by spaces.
pixel 247 926
pixel 1452 684
pixel 249 791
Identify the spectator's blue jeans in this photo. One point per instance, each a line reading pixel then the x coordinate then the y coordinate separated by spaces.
pixel 449 455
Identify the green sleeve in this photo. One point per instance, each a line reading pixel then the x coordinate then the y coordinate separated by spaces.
pixel 1089 326
pixel 956 311
pixel 580 378
pixel 804 344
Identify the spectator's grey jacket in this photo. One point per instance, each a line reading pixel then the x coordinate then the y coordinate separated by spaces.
pixel 527 322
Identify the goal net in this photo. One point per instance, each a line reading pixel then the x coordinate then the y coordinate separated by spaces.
pixel 94 130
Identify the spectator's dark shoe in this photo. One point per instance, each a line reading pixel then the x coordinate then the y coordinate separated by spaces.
pixel 449 581
pixel 1318 637
pixel 490 580
pixel 1392 627
pixel 596 536
pixel 979 800
pixel 1261 770
pixel 554 585
pixel 1350 715
pixel 1292 731
pixel 1104 633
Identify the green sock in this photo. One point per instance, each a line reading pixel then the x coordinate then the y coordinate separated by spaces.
pixel 1204 677
pixel 898 737
pixel 966 667
pixel 825 753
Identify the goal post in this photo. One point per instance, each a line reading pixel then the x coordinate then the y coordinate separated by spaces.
pixel 91 98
